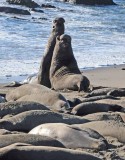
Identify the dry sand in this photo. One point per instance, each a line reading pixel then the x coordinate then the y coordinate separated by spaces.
pixel 113 76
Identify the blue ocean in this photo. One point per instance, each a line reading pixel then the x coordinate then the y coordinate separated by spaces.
pixel 98 37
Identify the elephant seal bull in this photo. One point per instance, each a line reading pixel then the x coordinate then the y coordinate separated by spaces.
pixel 45 96
pixel 43 74
pixel 28 152
pixel 64 71
pixel 71 137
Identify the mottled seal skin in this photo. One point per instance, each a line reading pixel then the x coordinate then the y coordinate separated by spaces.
pixel 107 128
pixel 99 92
pixel 93 107
pixel 43 74
pixel 104 116
pixel 90 99
pixel 71 137
pixel 38 93
pixel 19 150
pixel 64 71
pixel 117 93
pixel 25 121
pixel 37 140
pixel 13 108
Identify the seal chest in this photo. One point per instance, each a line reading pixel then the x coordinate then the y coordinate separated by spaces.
pixel 64 71
pixel 43 74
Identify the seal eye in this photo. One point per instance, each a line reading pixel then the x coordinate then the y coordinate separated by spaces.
pixel 55 21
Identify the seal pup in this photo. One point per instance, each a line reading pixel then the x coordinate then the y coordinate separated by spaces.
pixel 71 137
pixel 64 71
pixel 38 93
pixel 18 150
pixel 43 74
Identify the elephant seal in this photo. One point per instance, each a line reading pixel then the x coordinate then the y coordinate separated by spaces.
pixel 107 128
pixel 117 93
pixel 38 93
pixel 26 121
pixel 43 74
pixel 104 116
pixel 93 107
pixel 99 92
pixel 18 150
pixel 37 140
pixel 13 108
pixel 96 98
pixel 71 137
pixel 64 71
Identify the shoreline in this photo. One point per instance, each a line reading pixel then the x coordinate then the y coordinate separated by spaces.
pixel 107 76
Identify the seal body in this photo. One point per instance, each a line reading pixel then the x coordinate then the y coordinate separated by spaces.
pixel 26 121
pixel 71 137
pixel 38 93
pixel 93 107
pixel 43 74
pixel 64 71
pixel 37 140
pixel 18 150
pixel 107 128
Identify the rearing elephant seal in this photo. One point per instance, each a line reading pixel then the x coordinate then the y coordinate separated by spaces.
pixel 64 71
pixel 43 74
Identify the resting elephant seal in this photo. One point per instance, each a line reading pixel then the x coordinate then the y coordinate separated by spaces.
pixel 13 108
pixel 71 137
pixel 40 94
pixel 104 116
pixel 43 74
pixel 107 128
pixel 93 107
pixel 64 71
pixel 28 152
pixel 37 140
pixel 26 121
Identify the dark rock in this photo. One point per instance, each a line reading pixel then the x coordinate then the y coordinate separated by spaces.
pixel 47 6
pixel 27 3
pixel 37 10
pixel 91 2
pixel 14 10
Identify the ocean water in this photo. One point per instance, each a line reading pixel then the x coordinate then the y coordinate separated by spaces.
pixel 98 37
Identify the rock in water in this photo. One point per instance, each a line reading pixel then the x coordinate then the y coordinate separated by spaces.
pixel 27 3
pixel 92 2
pixel 14 10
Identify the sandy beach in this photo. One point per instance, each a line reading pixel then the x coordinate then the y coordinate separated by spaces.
pixel 106 77
pixel 113 76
